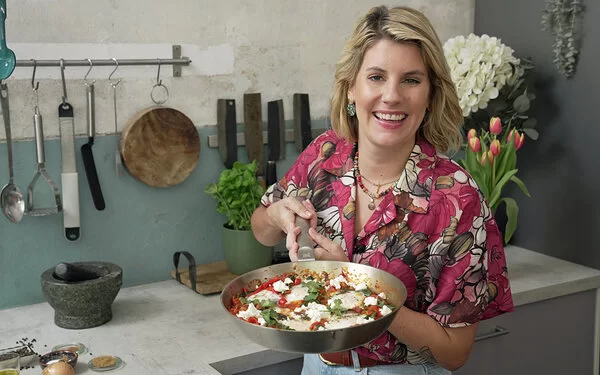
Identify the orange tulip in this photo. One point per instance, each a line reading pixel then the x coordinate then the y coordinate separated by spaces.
pixel 475 144
pixel 495 125
pixel 472 133
pixel 490 156
pixel 510 136
pixel 483 158
pixel 495 147
pixel 519 139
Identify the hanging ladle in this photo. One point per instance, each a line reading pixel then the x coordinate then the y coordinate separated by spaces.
pixel 7 56
pixel 11 198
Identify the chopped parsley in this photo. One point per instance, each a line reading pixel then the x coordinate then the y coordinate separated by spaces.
pixel 315 289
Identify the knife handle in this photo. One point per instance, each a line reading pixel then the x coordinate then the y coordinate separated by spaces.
pixel 271 174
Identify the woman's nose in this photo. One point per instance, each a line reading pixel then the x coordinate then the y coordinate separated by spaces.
pixel 391 93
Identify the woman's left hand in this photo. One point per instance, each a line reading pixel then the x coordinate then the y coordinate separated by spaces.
pixel 326 249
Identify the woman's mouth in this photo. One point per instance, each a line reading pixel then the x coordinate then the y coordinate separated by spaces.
pixel 390 120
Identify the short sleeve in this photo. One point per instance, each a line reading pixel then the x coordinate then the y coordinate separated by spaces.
pixel 473 264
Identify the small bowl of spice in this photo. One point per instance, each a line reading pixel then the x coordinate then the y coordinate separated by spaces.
pixel 66 356
pixel 105 363
pixel 76 347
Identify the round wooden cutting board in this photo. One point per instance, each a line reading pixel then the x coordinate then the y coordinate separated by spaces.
pixel 160 146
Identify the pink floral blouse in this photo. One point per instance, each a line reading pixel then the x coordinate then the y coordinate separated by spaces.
pixel 434 231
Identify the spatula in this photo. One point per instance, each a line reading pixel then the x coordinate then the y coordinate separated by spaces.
pixel 7 56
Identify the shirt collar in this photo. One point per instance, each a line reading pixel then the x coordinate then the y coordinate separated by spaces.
pixel 413 189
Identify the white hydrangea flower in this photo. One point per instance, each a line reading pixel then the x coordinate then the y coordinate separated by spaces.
pixel 480 67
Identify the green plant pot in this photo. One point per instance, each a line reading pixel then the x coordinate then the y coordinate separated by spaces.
pixel 243 253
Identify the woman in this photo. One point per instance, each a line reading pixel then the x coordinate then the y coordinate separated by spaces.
pixel 378 190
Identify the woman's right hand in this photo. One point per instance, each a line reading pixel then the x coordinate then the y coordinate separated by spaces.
pixel 283 215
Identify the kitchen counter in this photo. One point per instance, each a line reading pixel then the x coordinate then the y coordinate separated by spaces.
pixel 165 328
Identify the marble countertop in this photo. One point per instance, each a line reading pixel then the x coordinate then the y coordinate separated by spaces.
pixel 165 328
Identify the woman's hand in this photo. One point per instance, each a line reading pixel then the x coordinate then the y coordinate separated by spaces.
pixel 326 249
pixel 282 215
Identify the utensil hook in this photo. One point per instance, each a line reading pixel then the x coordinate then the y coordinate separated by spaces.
pixel 85 81
pixel 64 83
pixel 35 85
pixel 113 72
pixel 158 80
pixel 159 84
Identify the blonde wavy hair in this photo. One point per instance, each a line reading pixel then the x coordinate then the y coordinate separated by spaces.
pixel 403 25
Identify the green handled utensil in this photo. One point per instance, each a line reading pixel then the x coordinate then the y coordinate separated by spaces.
pixel 7 56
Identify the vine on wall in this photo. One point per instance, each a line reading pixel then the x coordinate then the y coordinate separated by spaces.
pixel 563 19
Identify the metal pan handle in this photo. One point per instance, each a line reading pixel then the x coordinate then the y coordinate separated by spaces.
pixel 306 251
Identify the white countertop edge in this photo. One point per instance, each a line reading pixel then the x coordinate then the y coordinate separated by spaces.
pixel 557 290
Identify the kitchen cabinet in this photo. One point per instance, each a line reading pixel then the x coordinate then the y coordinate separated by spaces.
pixel 554 336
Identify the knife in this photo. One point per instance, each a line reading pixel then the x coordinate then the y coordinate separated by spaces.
pixel 226 131
pixel 302 127
pixel 253 132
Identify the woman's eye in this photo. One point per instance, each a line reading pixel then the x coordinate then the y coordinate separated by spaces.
pixel 412 81
pixel 375 78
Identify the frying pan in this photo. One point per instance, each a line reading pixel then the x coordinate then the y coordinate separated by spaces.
pixel 328 340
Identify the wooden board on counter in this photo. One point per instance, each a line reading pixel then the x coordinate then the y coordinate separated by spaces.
pixel 210 278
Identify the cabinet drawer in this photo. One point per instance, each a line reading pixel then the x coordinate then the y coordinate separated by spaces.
pixel 555 336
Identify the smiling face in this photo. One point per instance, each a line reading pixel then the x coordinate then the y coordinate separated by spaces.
pixel 391 93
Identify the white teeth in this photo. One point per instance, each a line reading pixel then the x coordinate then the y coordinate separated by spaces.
pixel 389 117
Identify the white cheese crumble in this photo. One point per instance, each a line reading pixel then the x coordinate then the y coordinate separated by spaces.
pixel 297 293
pixel 382 295
pixel 262 322
pixel 288 280
pixel 370 301
pixel 315 311
pixel 385 310
pixel 280 286
pixel 264 295
pixel 336 283
pixel 251 311
pixel 360 286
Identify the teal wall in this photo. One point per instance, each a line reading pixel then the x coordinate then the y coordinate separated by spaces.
pixel 139 230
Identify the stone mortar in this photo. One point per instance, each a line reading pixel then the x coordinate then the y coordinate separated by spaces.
pixel 83 304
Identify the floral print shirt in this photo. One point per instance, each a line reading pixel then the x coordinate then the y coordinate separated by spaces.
pixel 434 231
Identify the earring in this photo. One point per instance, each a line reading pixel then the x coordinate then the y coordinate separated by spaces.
pixel 351 109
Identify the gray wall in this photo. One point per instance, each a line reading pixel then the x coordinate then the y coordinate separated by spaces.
pixel 560 169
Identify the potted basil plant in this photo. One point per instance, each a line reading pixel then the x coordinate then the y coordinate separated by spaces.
pixel 238 194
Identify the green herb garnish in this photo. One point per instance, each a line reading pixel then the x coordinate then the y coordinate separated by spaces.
pixel 314 290
pixel 336 309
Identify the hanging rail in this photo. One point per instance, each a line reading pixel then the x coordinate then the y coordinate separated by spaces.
pixel 176 61
pixel 105 62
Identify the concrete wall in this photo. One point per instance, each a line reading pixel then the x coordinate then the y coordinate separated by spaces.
pixel 560 169
pixel 274 47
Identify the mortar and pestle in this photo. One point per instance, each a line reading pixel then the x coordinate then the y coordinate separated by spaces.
pixel 82 293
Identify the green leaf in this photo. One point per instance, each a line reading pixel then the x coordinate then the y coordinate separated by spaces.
pixel 497 190
pixel 521 185
pixel 531 133
pixel 521 104
pixel 530 123
pixel 512 212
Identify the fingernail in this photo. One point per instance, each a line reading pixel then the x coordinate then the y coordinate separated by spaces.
pixel 306 213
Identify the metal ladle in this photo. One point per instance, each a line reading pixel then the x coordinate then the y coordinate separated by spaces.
pixel 11 198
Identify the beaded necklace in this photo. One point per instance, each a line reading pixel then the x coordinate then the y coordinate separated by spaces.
pixel 377 194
